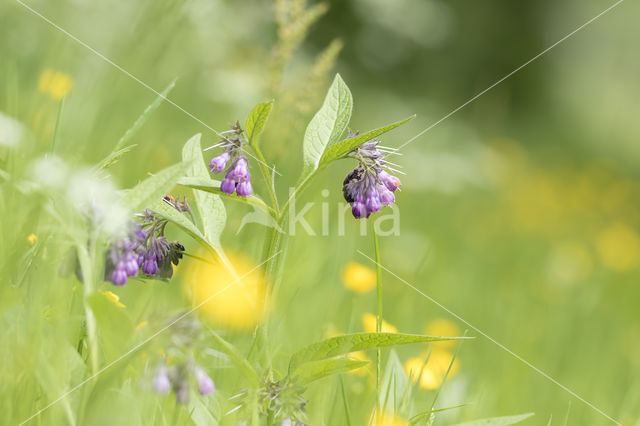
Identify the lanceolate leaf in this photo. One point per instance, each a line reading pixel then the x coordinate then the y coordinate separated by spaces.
pixel 256 121
pixel 347 343
pixel 328 125
pixel 343 147
pixel 210 207
pixel 213 186
pixel 316 370
pixel 161 208
pixel 154 188
pixel 237 358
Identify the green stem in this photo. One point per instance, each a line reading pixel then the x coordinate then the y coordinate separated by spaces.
pixel 58 119
pixel 378 324
pixel 268 178
pixel 85 257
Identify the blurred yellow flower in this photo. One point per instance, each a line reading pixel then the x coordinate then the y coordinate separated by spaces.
pixel 141 324
pixel 113 298
pixel 369 322
pixel 388 419
pixel 619 247
pixel 32 239
pixel 569 263
pixel 445 328
pixel 361 356
pixel 235 303
pixel 430 375
pixel 358 278
pixel 54 83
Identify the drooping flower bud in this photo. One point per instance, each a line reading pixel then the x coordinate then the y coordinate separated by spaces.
pixel 161 381
pixel 205 384
pixel 217 164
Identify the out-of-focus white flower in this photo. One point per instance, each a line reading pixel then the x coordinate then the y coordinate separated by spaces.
pixel 99 199
pixel 12 132
pixel 49 172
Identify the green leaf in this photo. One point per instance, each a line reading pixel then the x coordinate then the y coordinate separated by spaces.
pixel 347 343
pixel 115 325
pixel 395 384
pixel 256 121
pixel 416 419
pixel 161 208
pixel 209 205
pixel 113 157
pixel 143 117
pixel 213 186
pixel 237 358
pixel 154 188
pixel 317 370
pixel 328 125
pixel 498 421
pixel 343 147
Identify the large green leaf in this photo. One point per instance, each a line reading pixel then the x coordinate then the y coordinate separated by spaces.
pixel 256 121
pixel 317 370
pixel 328 125
pixel 498 421
pixel 241 363
pixel 209 205
pixel 213 186
pixel 154 188
pixel 343 147
pixel 161 208
pixel 347 343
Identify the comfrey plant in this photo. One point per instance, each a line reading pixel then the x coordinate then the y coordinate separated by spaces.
pixel 263 393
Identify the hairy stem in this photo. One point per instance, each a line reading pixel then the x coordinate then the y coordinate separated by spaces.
pixel 86 257
pixel 378 324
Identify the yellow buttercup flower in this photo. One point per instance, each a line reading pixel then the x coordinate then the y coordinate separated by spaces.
pixel 388 419
pixel 113 298
pixel 32 239
pixel 141 324
pixel 369 322
pixel 55 83
pixel 228 300
pixel 430 373
pixel 619 247
pixel 358 278
pixel 444 328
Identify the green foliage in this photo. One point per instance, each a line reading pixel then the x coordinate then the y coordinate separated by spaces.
pixel 498 421
pixel 316 370
pixel 154 188
pixel 256 122
pixel 327 125
pixel 213 186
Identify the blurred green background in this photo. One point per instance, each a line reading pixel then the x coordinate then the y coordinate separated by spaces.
pixel 519 213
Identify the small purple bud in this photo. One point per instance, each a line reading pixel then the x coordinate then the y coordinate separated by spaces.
pixel 386 196
pixel 141 234
pixel 130 263
pixel 205 384
pixel 239 171
pixel 227 186
pixel 373 200
pixel 161 380
pixel 391 182
pixel 217 164
pixel 150 266
pixel 244 189
pixel 119 276
pixel 358 209
pixel 182 394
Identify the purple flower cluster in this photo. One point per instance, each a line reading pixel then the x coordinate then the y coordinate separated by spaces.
pixel 145 248
pixel 369 186
pixel 179 378
pixel 237 179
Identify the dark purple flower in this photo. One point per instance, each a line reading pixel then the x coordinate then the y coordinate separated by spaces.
pixel 205 384
pixel 150 265
pixel 227 186
pixel 237 178
pixel 119 276
pixel 244 189
pixel 217 164
pixel 161 381
pixel 369 186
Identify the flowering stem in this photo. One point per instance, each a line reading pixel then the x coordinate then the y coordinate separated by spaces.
pixel 86 257
pixel 268 178
pixel 378 323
